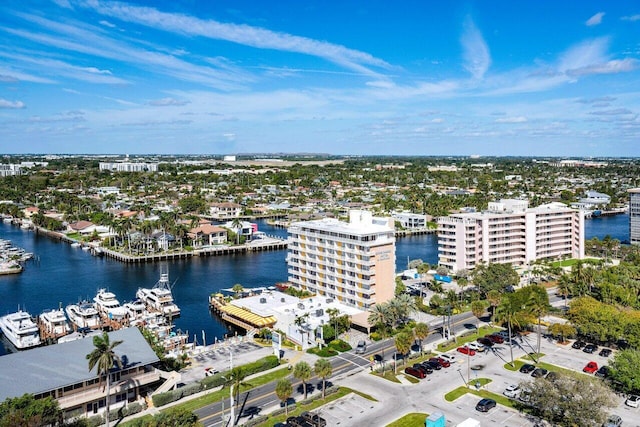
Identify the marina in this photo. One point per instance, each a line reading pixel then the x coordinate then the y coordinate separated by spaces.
pixel 78 275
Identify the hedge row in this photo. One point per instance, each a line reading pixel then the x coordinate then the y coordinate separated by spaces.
pixel 116 414
pixel 216 380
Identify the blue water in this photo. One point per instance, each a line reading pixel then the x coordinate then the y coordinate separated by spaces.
pixel 62 275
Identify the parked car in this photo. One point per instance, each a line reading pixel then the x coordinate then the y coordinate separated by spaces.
pixel 578 344
pixel 450 357
pixel 527 368
pixel 495 338
pixel 512 391
pixel 485 342
pixel 433 365
pixel 539 373
pixel 590 367
pixel 613 421
pixel 441 361
pixel 590 348
pixel 475 346
pixel 415 372
pixel 209 372
pixel 605 352
pixel 485 405
pixel 361 348
pixel 466 350
pixel 425 366
pixel 603 372
pixel 632 401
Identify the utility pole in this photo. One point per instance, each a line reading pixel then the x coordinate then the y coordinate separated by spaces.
pixel 233 415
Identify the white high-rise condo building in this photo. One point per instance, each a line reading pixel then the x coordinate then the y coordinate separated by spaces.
pixel 352 262
pixel 634 216
pixel 509 232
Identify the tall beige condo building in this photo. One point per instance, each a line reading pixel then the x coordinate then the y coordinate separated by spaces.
pixel 509 232
pixel 352 262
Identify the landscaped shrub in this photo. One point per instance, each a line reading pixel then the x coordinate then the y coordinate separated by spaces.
pixel 375 336
pixel 95 421
pixel 340 345
pixel 323 352
pixel 161 399
pixel 214 381
pixel 190 389
pixel 260 365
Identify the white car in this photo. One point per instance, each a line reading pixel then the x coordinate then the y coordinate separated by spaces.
pixel 632 401
pixel 513 391
pixel 475 346
pixel 450 357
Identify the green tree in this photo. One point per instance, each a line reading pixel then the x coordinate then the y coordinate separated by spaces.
pixel 382 317
pixel 537 305
pixel 237 289
pixel 403 343
pixel 507 312
pixel 237 377
pixel 176 417
pixel 27 411
pixel 401 288
pixel 495 277
pixel 478 308
pixel 624 370
pixel 284 390
pixel 103 358
pixel 323 369
pixel 421 331
pixel 302 371
pixel 562 330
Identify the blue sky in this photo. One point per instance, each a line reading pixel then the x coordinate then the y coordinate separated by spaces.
pixel 341 77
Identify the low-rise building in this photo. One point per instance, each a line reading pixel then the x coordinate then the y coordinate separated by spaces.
pixel 62 372
pixel 224 211
pixel 207 234
pixel 128 166
pixel 410 220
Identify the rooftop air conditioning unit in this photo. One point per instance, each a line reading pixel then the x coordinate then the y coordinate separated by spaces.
pixel 263 300
pixel 281 299
pixel 329 300
pixel 319 312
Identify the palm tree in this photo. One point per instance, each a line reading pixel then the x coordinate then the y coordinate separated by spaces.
pixel 564 287
pixel 333 314
pixel 477 308
pixel 237 376
pixel 493 296
pixel 237 289
pixel 381 316
pixel 302 371
pixel 508 311
pixel 538 305
pixel 236 224
pixel 403 344
pixel 103 357
pixel 284 390
pixel 323 369
pixel 405 305
pixel 421 331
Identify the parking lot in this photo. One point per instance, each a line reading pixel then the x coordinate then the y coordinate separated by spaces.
pixel 428 394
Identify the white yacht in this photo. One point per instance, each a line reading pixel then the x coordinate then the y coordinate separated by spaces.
pixel 20 329
pixel 159 298
pixel 83 315
pixel 136 311
pixel 54 323
pixel 107 304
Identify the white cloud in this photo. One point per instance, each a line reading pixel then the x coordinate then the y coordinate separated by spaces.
pixel 519 119
pixel 11 104
pixel 94 70
pixel 595 19
pixel 437 120
pixel 631 18
pixel 242 34
pixel 168 102
pixel 107 24
pixel 475 51
pixel 229 136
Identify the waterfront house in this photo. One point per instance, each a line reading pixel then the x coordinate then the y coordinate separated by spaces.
pixel 226 210
pixel 30 211
pixel 62 372
pixel 207 234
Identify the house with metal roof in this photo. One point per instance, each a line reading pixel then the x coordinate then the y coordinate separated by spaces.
pixel 62 372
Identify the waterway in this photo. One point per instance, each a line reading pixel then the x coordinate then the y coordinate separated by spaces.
pixel 60 274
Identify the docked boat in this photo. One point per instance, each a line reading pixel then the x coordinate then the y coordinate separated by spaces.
pixel 107 304
pixel 54 324
pixel 83 315
pixel 136 311
pixel 20 329
pixel 159 298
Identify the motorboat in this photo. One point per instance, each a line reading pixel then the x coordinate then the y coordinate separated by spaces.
pixel 78 335
pixel 20 329
pixel 107 304
pixel 159 298
pixel 83 315
pixel 136 311
pixel 54 323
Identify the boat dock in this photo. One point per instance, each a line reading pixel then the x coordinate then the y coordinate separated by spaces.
pixel 238 316
pixel 269 244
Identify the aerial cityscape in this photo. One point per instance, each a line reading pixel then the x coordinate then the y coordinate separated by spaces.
pixel 319 214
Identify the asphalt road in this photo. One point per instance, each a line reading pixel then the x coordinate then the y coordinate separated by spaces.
pixel 253 402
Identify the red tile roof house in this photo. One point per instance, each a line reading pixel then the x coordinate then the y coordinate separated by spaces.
pixel 30 211
pixel 207 234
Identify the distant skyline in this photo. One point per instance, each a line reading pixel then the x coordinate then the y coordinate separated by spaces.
pixel 428 77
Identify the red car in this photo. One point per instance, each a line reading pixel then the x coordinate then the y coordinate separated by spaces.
pixel 467 350
pixel 496 339
pixel 418 373
pixel 590 368
pixel 440 361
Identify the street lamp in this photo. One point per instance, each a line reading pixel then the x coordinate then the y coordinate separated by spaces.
pixel 233 415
